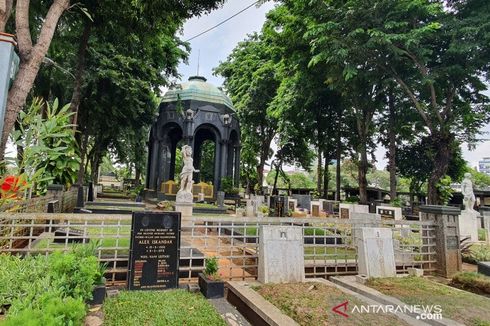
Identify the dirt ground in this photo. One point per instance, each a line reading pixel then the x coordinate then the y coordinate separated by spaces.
pixel 312 304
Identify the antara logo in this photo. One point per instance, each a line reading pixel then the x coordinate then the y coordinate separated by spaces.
pixel 338 309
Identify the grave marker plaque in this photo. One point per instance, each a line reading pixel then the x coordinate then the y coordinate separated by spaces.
pixel 315 210
pixel 154 251
pixel 344 213
pixel 386 213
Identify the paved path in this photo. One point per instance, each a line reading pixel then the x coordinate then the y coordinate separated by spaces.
pixel 229 313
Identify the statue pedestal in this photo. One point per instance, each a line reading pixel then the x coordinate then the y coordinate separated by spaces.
pixel 183 203
pixel 185 209
pixel 468 225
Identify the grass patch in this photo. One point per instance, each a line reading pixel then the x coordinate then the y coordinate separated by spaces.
pixel 115 207
pixel 173 307
pixel 313 306
pixel 205 205
pixel 253 231
pixel 482 235
pixel 329 253
pixel 94 234
pixel 471 281
pixel 464 307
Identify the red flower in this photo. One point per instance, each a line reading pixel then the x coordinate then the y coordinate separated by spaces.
pixel 10 185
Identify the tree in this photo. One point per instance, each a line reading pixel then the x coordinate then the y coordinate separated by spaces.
pixel 415 162
pixel 111 40
pixel 425 48
pixel 31 56
pixel 304 105
pixel 252 82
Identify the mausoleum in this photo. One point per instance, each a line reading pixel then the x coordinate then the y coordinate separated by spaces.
pixel 193 113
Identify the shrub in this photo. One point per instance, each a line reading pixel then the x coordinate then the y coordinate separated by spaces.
pixel 477 253
pixel 40 290
pixel 227 185
pixel 352 200
pixel 264 209
pixel 56 311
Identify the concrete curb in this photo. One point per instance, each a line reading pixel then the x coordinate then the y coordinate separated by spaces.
pixel 350 283
pixel 264 309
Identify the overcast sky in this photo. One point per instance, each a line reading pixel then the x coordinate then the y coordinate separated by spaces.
pixel 217 44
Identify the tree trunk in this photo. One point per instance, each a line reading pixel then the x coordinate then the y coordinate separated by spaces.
pixel 337 167
pixel 83 154
pixel 95 167
pixel 326 177
pixel 362 175
pixel 412 194
pixel 392 145
pixel 5 10
pixel 137 176
pixel 319 173
pixel 442 147
pixel 77 87
pixel 31 58
pixel 278 168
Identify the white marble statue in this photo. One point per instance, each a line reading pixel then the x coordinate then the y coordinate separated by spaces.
pixel 467 191
pixel 185 192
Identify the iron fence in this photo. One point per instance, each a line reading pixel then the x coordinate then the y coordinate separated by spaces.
pixel 329 244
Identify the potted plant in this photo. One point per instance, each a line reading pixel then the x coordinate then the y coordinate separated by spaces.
pixel 210 283
pixel 99 291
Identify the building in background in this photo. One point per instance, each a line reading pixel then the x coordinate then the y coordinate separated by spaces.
pixel 484 165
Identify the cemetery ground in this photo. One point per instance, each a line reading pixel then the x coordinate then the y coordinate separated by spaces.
pixel 462 306
pixel 311 303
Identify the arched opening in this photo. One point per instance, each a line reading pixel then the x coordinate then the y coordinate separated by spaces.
pixel 207 158
pixel 179 162
pixel 206 140
pixel 171 136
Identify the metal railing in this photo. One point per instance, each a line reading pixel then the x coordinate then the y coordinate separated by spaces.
pixel 329 244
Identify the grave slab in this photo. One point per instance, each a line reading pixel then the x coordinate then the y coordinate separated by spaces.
pixel 375 252
pixel 281 254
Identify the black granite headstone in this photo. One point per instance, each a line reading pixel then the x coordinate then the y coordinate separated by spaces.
pixel 90 192
pixel 304 201
pixel 154 251
pixel 278 206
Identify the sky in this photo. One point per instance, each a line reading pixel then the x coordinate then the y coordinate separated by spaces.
pixel 215 46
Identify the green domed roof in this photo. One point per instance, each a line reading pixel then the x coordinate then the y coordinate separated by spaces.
pixel 197 89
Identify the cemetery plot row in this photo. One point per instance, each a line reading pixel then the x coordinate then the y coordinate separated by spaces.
pixel 329 244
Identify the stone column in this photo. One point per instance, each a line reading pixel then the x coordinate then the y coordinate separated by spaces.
pixel 237 166
pixel 448 253
pixel 217 166
pixel 230 161
pixel 153 166
pixel 224 158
